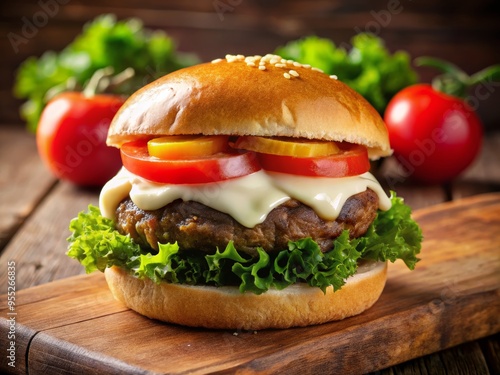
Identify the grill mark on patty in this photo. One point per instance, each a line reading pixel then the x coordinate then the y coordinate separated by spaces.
pixel 195 226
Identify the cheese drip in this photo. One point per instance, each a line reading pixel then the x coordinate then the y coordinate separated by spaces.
pixel 247 199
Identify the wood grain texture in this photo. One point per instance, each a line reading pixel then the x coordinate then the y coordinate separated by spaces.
pixel 451 298
pixel 24 181
pixel 39 249
pixel 45 207
pixel 491 352
pixel 466 359
pixel 484 174
pixel 481 177
pixel 463 32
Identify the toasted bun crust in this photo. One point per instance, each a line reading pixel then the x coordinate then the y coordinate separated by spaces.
pixel 227 308
pixel 234 97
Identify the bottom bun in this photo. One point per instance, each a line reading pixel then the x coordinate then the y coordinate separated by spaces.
pixel 227 308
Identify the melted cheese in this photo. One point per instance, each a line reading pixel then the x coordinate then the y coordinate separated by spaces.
pixel 247 199
pixel 326 196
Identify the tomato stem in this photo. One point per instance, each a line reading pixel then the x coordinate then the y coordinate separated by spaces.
pixel 103 79
pixel 122 77
pixel 454 81
pixel 70 85
pixel 491 73
pixel 97 82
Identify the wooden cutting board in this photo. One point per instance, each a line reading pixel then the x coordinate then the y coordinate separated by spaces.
pixel 75 326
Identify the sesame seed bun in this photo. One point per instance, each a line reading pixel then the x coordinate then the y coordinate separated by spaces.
pixel 227 308
pixel 258 96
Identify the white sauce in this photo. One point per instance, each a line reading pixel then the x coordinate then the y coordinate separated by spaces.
pixel 328 195
pixel 247 199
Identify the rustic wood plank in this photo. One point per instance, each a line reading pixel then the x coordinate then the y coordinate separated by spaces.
pixel 484 174
pixel 452 297
pixel 39 248
pixel 491 351
pixel 24 180
pixel 463 359
pixel 447 30
pixel 393 176
pixel 65 201
pixel 47 355
pixel 202 32
pixel 84 304
pixel 481 177
pixel 318 14
pixel 478 357
pixel 21 341
pixel 45 260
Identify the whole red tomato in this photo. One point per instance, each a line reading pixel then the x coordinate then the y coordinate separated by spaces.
pixel 71 138
pixel 435 136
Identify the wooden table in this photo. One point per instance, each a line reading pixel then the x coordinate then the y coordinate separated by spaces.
pixel 36 210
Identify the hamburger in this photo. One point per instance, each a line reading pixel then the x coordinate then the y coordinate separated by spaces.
pixel 245 200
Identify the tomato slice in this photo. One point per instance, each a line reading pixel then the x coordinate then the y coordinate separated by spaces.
pixel 212 168
pixel 352 160
pixel 298 147
pixel 187 146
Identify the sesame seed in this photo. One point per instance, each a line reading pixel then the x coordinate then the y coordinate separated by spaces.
pixel 267 57
pixel 279 62
pixel 233 58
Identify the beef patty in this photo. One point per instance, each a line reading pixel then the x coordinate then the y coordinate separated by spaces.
pixel 195 226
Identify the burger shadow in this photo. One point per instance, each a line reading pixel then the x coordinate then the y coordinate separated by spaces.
pixel 398 296
pixel 392 177
pixel 401 304
pixel 92 190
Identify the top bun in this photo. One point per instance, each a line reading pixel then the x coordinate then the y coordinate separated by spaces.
pixel 262 96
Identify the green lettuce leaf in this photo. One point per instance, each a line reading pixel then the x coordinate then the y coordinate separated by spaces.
pixel 393 235
pixel 365 65
pixel 103 42
pixel 96 244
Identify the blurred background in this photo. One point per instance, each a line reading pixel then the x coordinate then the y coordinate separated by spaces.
pixel 465 33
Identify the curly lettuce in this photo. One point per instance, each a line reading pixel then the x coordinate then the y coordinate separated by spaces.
pixel 366 65
pixel 393 235
pixel 103 42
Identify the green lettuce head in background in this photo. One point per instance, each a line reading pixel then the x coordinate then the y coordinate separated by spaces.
pixel 367 67
pixel 104 42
